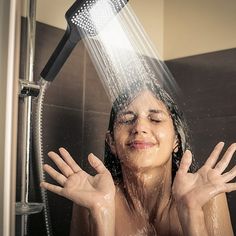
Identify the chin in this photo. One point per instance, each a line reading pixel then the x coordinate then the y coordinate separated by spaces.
pixel 145 159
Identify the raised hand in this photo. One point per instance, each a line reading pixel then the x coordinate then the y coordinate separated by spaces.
pixel 77 185
pixel 196 189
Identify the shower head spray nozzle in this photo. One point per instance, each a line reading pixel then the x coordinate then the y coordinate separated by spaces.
pixel 84 18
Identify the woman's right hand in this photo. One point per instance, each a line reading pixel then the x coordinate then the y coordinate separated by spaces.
pixel 92 192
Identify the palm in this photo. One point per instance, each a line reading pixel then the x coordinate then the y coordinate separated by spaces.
pixel 198 188
pixel 83 188
pixel 77 185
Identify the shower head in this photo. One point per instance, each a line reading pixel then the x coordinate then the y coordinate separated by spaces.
pixel 84 18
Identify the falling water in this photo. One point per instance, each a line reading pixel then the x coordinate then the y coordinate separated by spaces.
pixel 122 54
pixel 120 49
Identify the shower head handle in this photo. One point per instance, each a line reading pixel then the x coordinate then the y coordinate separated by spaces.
pixel 65 46
pixel 60 54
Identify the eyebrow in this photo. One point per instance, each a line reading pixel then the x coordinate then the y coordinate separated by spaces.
pixel 126 113
pixel 155 111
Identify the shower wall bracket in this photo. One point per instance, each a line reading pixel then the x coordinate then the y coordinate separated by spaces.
pixel 27 88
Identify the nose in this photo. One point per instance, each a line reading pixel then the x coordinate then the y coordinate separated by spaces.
pixel 140 126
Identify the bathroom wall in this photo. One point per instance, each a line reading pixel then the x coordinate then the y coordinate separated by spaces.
pixel 196 27
pixel 76 111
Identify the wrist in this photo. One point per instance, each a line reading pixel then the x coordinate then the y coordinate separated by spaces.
pixel 103 218
pixel 188 204
pixel 102 208
pixel 192 219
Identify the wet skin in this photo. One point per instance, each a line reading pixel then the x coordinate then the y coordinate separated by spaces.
pixel 146 202
pixel 144 135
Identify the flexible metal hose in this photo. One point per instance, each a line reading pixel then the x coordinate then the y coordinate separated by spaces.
pixel 39 151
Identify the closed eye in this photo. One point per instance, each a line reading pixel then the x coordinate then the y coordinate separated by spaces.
pixel 156 117
pixel 155 120
pixel 126 118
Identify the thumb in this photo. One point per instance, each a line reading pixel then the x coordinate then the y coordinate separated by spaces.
pixel 185 162
pixel 96 163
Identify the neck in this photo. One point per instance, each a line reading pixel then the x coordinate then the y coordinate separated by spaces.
pixel 148 191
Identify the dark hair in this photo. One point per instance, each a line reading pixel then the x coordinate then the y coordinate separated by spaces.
pixel 123 100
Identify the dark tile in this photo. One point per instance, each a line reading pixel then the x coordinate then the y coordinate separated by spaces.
pixel 208 83
pixel 206 133
pixel 62 127
pixel 96 98
pixel 95 132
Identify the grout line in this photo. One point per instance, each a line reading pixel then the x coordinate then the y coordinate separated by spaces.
pixel 75 109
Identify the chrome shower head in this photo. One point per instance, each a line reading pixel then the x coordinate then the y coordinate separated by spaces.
pixel 84 18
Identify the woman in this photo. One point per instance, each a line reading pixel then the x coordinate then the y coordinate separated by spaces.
pixel 146 188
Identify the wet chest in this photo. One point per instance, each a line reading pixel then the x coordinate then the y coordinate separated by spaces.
pixel 130 224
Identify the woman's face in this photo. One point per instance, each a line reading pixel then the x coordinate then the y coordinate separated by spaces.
pixel 144 134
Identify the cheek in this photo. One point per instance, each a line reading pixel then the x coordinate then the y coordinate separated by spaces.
pixel 166 133
pixel 120 137
pixel 166 137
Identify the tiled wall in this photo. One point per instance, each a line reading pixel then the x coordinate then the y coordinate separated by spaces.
pixel 208 82
pixel 76 110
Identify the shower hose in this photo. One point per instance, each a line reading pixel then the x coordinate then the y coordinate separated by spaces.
pixel 39 152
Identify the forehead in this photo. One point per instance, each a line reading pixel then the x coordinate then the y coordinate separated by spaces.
pixel 146 101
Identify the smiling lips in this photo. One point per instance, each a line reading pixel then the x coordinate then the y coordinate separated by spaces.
pixel 140 144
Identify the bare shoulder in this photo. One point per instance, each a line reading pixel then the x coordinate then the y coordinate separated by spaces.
pixel 122 208
pixel 217 216
pixel 80 221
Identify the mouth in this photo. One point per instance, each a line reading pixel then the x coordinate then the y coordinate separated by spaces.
pixel 140 144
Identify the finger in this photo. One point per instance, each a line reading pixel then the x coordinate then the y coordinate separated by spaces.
pixel 61 179
pixel 97 164
pixel 211 161
pixel 228 176
pixel 223 163
pixel 51 187
pixel 185 162
pixel 63 167
pixel 230 187
pixel 69 160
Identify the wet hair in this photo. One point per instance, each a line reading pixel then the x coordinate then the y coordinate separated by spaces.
pixel 111 161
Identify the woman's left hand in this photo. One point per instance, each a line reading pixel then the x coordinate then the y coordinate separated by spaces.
pixel 194 190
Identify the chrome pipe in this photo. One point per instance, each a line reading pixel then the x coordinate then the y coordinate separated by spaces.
pixel 27 107
pixel 31 29
pixel 24 208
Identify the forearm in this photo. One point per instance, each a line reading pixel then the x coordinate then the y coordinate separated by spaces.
pixel 192 221
pixel 103 220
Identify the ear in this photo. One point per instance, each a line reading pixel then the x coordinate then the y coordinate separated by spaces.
pixel 176 144
pixel 111 142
